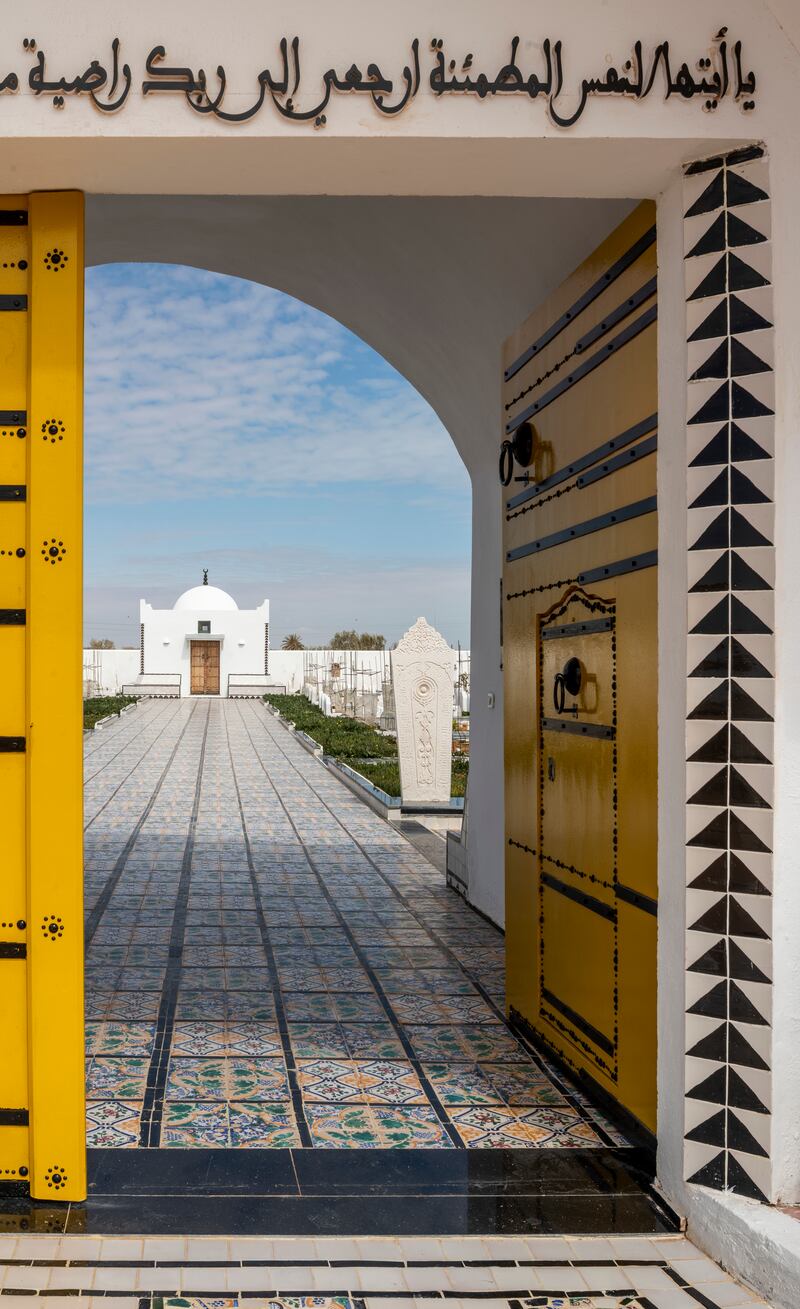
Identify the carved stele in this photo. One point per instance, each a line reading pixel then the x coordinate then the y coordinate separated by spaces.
pixel 422 678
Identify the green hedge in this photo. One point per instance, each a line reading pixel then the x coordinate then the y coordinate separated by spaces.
pixel 387 776
pixel 361 747
pixel 101 706
pixel 343 738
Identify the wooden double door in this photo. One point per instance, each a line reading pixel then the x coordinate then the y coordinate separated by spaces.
pixel 205 668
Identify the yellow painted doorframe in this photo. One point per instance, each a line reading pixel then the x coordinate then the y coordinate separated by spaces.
pixel 42 1124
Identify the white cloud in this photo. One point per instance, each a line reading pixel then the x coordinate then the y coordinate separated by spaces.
pixel 311 592
pixel 198 384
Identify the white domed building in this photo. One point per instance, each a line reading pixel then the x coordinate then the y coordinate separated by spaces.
pixel 204 645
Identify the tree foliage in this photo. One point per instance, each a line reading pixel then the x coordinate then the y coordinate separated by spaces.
pixel 101 643
pixel 350 640
pixel 292 642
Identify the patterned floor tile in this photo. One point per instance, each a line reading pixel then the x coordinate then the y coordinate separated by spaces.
pixel 256 1079
pixel 250 1006
pixel 329 1080
pixel 263 1126
pixel 342 1127
pixel 348 979
pixel 305 1007
pixel 124 1038
pixel 202 979
pixel 391 1081
pixel 200 1038
pixel 418 1009
pixel 186 1125
pixel 522 1084
pixel 317 1041
pixel 559 1127
pixel 255 1039
pixel 111 1077
pixel 132 1006
pixel 466 1009
pixel 196 1079
pixel 372 1040
pixel 410 1128
pixel 247 979
pixel 461 1084
pixel 141 979
pixel 357 1008
pixel 491 1127
pixel 112 1123
pixel 226 1082
pixel 194 1007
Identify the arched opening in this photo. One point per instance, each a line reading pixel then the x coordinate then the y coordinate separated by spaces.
pixel 318 987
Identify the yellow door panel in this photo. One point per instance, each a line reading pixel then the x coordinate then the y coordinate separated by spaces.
pixel 578 1002
pixel 637 933
pixel 42 1123
pixel 13 1008
pixel 580 661
pixel 577 789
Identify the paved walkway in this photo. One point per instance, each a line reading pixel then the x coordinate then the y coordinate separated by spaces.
pixel 269 964
pixel 325 1273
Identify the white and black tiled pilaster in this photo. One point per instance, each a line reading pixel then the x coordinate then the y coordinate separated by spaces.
pixel 729 730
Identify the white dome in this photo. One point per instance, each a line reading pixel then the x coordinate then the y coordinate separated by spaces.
pixel 205 597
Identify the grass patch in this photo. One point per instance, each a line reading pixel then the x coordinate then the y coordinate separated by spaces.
pixel 101 706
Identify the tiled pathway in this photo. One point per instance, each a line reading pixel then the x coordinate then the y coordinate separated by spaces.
pixel 466 1272
pixel 269 964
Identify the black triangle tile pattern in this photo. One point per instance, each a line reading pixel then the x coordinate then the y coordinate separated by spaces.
pixel 730 652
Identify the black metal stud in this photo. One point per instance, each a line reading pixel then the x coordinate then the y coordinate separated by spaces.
pixel 55 260
pixel 52 927
pixel 53 430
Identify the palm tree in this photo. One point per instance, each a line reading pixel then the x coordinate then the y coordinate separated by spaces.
pixel 292 642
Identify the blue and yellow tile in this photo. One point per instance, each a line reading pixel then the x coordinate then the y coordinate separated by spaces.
pixel 186 1125
pixel 111 1077
pixel 342 1127
pixel 411 1127
pixel 262 1126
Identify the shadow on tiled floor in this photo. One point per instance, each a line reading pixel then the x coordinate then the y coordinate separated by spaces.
pixel 270 965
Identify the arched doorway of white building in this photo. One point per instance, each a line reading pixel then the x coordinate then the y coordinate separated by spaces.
pixel 55 253
pixel 68 252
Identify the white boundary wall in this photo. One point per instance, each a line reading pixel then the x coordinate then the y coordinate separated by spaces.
pixel 286 667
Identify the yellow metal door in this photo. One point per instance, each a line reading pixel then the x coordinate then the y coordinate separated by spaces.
pixel 579 657
pixel 42 1121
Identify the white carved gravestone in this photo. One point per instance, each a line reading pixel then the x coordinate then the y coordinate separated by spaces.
pixel 422 677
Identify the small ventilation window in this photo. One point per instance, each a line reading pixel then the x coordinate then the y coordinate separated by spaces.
pixel 204 625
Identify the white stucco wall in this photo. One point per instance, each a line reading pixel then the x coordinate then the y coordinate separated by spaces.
pixel 168 634
pixel 110 669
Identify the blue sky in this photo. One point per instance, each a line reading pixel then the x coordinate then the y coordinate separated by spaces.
pixel 231 427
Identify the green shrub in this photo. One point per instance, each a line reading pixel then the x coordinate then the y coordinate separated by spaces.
pixel 357 745
pixel 102 706
pixel 343 738
pixel 386 776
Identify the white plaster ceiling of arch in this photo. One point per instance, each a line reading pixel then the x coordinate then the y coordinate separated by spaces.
pixel 434 285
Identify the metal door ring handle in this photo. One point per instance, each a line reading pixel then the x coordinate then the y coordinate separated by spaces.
pixel 568 681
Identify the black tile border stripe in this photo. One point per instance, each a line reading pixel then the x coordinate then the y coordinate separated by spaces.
pixel 514 1298
pixel 152 1108
pixel 266 942
pixel 103 900
pixel 383 998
